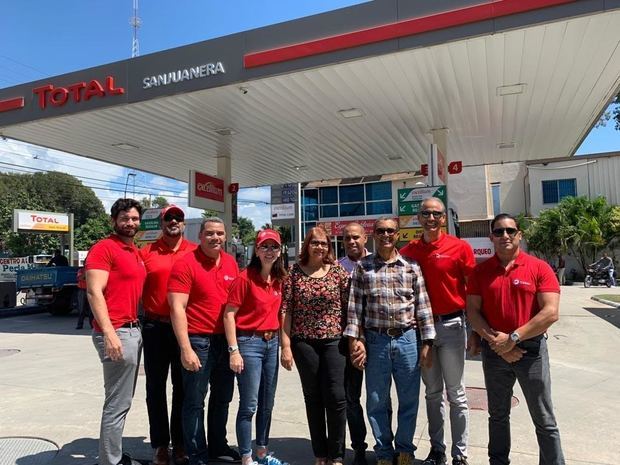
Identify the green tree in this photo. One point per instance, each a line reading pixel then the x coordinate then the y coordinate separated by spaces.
pixel 244 230
pixel 158 202
pixel 577 225
pixel 53 191
pixel 93 230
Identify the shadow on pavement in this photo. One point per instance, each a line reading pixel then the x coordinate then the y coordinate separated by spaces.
pixel 44 323
pixel 611 315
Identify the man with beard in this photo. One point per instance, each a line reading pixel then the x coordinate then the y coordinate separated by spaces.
pixel 197 292
pixel 115 276
pixel 389 318
pixel 161 351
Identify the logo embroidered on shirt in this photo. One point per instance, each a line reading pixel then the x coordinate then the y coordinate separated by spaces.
pixel 228 278
pixel 518 282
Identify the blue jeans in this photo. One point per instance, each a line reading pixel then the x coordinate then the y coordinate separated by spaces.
pixel 533 374
pixel 396 357
pixel 447 370
pixel 257 390
pixel 213 355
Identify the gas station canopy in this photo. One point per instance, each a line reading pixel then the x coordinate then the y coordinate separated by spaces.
pixel 347 93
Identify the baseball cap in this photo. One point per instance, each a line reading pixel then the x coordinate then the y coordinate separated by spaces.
pixel 268 234
pixel 172 209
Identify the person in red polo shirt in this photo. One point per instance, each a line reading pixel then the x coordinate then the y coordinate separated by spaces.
pixel 197 292
pixel 252 323
pixel 161 351
pixel 446 262
pixel 115 276
pixel 512 299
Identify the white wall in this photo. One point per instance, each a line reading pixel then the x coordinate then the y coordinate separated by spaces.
pixel 512 192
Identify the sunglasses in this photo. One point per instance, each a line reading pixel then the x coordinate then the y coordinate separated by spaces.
pixel 173 216
pixel 388 231
pixel 428 213
pixel 268 248
pixel 499 232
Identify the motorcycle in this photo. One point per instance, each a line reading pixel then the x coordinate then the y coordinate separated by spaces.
pixel 597 276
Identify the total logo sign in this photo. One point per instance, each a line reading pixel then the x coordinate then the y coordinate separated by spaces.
pixel 74 93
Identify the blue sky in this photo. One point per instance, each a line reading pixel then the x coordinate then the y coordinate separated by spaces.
pixel 40 40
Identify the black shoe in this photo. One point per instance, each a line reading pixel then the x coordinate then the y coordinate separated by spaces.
pixel 228 455
pixel 435 457
pixel 79 327
pixel 459 460
pixel 359 458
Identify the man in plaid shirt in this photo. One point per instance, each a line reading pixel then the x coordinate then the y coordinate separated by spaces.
pixel 391 331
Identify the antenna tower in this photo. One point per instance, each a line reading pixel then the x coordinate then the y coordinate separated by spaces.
pixel 135 23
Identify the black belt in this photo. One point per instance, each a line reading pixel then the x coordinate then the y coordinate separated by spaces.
pixel 392 332
pixel 448 316
pixel 131 324
pixel 264 335
pixel 156 317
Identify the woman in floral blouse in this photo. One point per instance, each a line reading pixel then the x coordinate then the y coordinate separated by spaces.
pixel 314 301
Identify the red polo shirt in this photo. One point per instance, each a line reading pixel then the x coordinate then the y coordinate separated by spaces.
pixel 207 285
pixel 509 295
pixel 258 302
pixel 125 280
pixel 158 260
pixel 445 263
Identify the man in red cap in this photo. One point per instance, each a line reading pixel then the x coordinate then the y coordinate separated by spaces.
pixel 197 292
pixel 161 351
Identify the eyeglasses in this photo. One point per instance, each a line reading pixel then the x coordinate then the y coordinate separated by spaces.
pixel 428 213
pixel 388 231
pixel 499 232
pixel 268 248
pixel 315 243
pixel 176 217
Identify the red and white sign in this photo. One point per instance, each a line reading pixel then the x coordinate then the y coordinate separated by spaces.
pixel 34 221
pixel 206 192
pixel 336 228
pixel 482 246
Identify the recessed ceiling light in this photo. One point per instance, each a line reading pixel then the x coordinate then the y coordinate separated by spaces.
pixel 512 89
pixel 125 146
pixel 225 131
pixel 300 167
pixel 351 113
pixel 506 145
pixel 394 157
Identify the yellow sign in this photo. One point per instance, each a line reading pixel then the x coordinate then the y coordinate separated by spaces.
pixel 408 234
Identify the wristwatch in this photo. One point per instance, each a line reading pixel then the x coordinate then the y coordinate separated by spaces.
pixel 514 337
pixel 232 349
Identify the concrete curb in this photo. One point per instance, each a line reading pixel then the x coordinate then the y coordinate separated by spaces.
pixel 606 302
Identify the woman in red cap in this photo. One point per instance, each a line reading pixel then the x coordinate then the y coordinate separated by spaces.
pixel 314 301
pixel 251 322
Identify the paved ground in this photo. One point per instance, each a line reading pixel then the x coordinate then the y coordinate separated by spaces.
pixel 52 389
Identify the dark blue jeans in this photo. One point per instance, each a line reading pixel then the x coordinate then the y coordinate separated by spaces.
pixel 257 390
pixel 533 374
pixel 213 354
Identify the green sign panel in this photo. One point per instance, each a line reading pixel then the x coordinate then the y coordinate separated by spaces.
pixel 409 200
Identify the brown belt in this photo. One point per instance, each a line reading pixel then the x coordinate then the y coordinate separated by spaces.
pixel 156 317
pixel 392 332
pixel 264 335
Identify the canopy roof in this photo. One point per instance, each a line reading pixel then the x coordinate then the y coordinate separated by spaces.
pixel 510 80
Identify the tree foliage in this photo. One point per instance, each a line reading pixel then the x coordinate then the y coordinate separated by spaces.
pixel 53 192
pixel 578 225
pixel 157 202
pixel 244 231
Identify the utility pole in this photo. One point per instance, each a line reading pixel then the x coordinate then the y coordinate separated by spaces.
pixel 135 23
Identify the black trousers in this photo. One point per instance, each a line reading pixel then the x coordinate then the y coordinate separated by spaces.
pixel 161 355
pixel 321 368
pixel 353 381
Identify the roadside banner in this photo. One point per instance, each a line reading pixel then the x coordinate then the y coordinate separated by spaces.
pixel 9 267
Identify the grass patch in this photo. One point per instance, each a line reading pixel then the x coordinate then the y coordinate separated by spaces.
pixel 610 297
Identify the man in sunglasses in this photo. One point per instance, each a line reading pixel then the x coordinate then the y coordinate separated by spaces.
pixel 446 262
pixel 197 292
pixel 512 299
pixel 389 312
pixel 161 351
